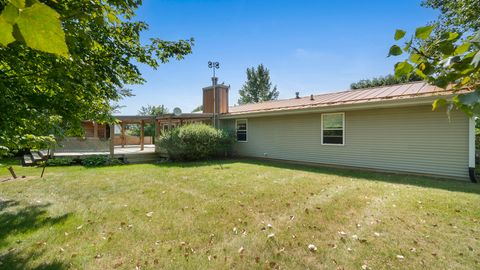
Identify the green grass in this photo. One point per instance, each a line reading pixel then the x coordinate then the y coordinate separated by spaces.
pixel 205 213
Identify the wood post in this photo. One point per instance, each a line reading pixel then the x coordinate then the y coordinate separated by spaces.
pixel 142 134
pixel 157 129
pixel 123 134
pixel 12 172
pixel 95 130
pixel 112 140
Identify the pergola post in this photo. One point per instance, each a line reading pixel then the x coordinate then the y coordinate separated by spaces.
pixel 112 139
pixel 157 129
pixel 142 134
pixel 95 129
pixel 123 134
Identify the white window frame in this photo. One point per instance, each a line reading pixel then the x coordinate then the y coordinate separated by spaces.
pixel 236 130
pixel 343 125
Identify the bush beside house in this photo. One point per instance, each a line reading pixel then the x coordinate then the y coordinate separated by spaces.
pixel 196 142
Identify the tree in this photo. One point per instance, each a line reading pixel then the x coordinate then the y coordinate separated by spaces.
pixel 153 110
pixel 198 109
pixel 258 87
pixel 446 53
pixel 149 128
pixel 382 81
pixel 46 92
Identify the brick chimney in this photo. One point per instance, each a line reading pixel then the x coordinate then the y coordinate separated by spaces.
pixel 221 98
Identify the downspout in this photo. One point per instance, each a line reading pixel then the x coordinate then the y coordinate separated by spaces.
pixel 471 150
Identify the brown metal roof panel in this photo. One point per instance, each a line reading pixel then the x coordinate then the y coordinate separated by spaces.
pixel 391 91
pixel 427 88
pixel 369 93
pixel 415 87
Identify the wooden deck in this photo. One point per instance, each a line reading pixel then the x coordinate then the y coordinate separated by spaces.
pixel 118 151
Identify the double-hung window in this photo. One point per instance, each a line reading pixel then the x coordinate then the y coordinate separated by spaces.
pixel 333 128
pixel 241 129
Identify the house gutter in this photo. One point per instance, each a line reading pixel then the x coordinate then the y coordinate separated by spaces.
pixel 471 150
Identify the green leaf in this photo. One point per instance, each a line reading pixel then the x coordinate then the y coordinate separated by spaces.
pixel 112 18
pixel 18 3
pixel 403 68
pixel 10 14
pixel 465 80
pixel 476 37
pixel 462 48
pixel 41 29
pixel 415 58
pixel 408 45
pixel 420 74
pixel 450 36
pixel 469 98
pixel 439 102
pixel 423 32
pixel 399 33
pixel 476 59
pixel 6 32
pixel 446 48
pixel 394 50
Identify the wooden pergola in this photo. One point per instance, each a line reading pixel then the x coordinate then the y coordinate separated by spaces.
pixel 162 123
pixel 130 119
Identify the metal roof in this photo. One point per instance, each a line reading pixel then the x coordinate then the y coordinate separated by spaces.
pixel 358 96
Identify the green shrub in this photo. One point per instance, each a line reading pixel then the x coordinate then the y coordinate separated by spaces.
pixel 93 161
pixel 196 142
pixel 59 162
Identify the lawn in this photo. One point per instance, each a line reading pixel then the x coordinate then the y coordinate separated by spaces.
pixel 235 214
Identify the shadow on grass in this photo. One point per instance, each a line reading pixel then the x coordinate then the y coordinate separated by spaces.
pixel 16 219
pixel 415 180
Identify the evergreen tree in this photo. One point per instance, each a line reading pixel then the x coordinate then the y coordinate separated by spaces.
pixel 258 87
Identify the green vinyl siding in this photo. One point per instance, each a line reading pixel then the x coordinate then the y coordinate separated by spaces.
pixel 406 139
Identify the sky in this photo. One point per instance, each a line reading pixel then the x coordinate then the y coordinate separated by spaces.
pixel 311 47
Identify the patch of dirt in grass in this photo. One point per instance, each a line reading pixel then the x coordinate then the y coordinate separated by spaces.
pixel 10 179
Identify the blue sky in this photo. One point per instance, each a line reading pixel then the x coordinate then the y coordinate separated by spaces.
pixel 309 46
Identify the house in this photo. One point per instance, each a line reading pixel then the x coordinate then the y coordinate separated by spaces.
pixel 390 128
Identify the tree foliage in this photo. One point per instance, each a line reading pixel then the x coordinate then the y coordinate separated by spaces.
pixel 446 53
pixel 44 92
pixel 153 110
pixel 382 81
pixel 199 108
pixel 150 110
pixel 258 87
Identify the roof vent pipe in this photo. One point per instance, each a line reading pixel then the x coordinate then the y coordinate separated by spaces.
pixel 297 94
pixel 311 97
